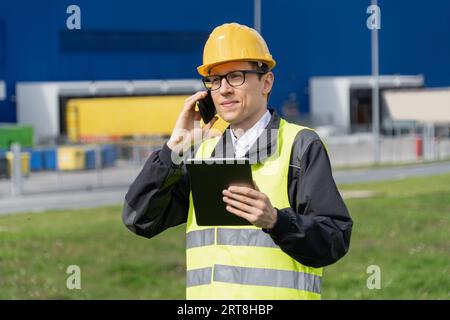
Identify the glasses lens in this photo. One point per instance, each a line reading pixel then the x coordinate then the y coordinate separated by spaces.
pixel 207 83
pixel 213 82
pixel 235 78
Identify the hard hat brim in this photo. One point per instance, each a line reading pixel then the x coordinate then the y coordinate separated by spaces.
pixel 205 69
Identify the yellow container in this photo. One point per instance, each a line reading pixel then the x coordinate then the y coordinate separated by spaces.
pixel 71 158
pixel 87 119
pixel 24 166
pixel 122 116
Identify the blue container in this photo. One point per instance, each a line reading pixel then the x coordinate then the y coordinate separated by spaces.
pixel 109 155
pixel 36 160
pixel 50 157
pixel 89 159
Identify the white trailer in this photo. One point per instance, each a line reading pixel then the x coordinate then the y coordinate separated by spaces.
pixel 345 103
pixel 39 103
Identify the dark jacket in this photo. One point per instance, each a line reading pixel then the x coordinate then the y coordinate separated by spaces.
pixel 315 230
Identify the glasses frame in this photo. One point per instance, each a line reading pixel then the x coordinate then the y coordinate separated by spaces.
pixel 244 72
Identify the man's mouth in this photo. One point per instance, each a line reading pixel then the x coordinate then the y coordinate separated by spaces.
pixel 228 104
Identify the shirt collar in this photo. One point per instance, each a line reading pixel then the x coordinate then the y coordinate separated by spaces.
pixel 259 151
pixel 250 136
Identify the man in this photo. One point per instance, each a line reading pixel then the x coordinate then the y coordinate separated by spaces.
pixel 300 222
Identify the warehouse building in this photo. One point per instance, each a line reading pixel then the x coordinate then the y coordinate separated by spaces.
pixel 163 40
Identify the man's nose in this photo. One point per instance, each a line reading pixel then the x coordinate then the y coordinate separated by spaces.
pixel 225 87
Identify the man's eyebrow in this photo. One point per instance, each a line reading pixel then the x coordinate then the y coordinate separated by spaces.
pixel 221 75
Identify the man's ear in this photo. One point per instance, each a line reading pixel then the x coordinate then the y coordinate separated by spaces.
pixel 268 82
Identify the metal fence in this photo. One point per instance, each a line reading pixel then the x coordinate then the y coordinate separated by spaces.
pixel 398 144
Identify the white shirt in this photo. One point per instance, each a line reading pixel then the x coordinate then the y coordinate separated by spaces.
pixel 243 144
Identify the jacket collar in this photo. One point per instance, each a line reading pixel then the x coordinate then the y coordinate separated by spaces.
pixel 263 148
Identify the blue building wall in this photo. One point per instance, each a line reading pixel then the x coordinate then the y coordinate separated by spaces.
pixel 134 39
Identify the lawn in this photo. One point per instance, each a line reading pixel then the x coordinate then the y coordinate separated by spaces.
pixel 403 230
pixel 36 250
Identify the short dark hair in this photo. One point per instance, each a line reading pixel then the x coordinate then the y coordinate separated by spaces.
pixel 262 67
pixel 259 66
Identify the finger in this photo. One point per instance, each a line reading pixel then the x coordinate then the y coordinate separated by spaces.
pixel 198 95
pixel 241 206
pixel 249 192
pixel 250 218
pixel 256 186
pixel 241 198
pixel 192 100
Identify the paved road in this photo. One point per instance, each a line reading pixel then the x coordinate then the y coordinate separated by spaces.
pixel 367 175
pixel 45 191
pixel 62 200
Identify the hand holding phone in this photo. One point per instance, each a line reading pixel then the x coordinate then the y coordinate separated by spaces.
pixel 184 132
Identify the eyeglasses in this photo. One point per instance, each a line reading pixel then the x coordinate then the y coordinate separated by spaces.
pixel 234 79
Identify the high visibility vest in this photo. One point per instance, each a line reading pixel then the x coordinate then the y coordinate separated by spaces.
pixel 243 262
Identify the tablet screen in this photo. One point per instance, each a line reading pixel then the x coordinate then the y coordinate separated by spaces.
pixel 208 178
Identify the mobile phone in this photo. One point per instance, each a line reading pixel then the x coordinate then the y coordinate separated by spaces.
pixel 207 108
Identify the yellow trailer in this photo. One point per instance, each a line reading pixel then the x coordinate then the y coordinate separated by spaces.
pixel 93 118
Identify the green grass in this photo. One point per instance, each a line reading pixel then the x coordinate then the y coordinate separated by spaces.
pixel 404 230
pixel 400 164
pixel 36 250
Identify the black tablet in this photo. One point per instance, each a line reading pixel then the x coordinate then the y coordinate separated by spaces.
pixel 208 178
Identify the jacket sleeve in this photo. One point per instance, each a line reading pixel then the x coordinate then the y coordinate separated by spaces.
pixel 316 229
pixel 159 196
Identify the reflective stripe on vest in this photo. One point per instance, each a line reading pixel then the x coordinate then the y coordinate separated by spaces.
pixel 255 276
pixel 231 237
pixel 198 277
pixel 200 238
pixel 234 262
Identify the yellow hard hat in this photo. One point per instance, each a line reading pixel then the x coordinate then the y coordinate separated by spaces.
pixel 234 42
